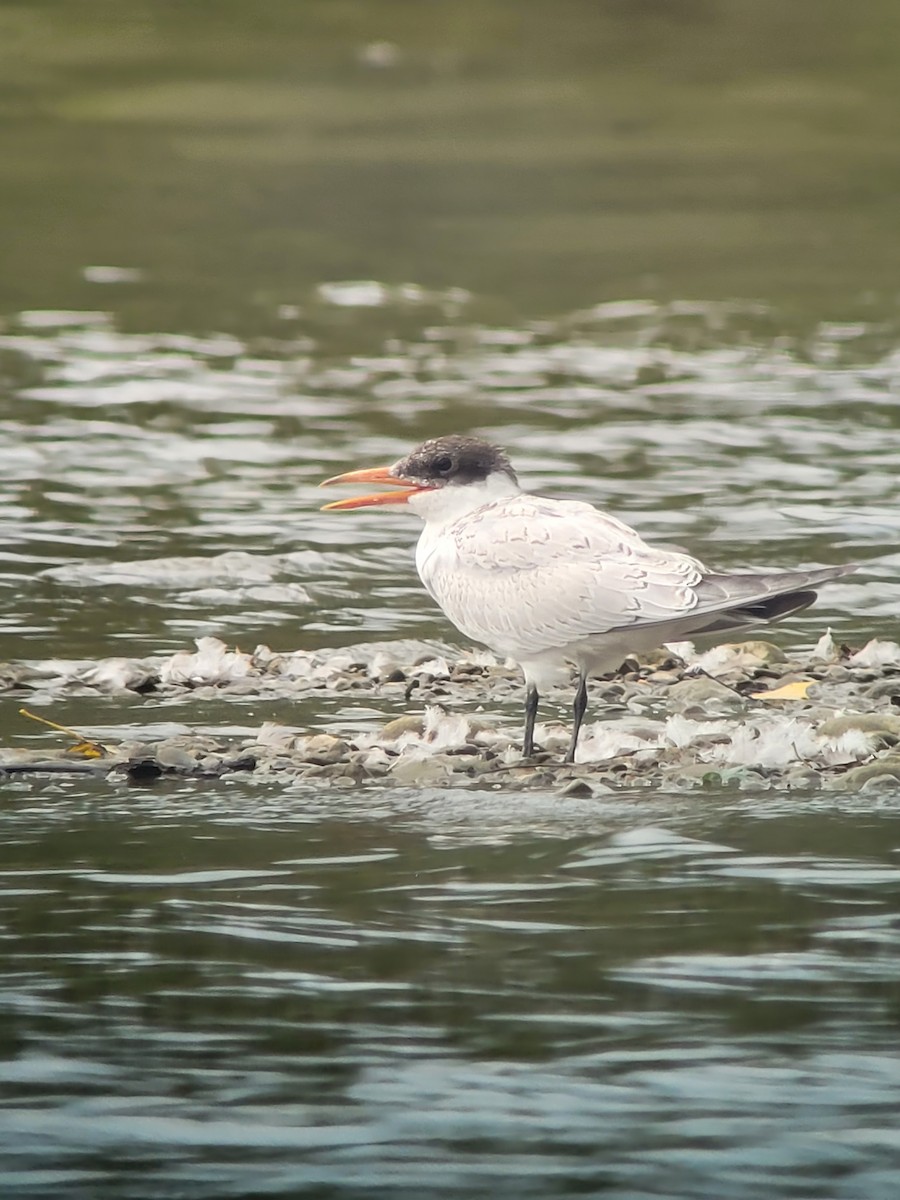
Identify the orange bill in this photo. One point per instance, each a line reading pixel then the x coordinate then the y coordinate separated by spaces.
pixel 373 475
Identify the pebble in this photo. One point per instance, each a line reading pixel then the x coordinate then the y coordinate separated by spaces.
pixel 410 723
pixel 17 675
pixel 883 728
pixel 763 652
pixel 323 749
pixel 883 688
pixel 577 787
pixel 175 757
pixel 802 777
pixel 657 723
pixel 838 674
pixel 886 771
pixel 703 693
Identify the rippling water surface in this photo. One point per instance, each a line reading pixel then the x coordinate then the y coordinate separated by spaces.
pixel 159 487
pixel 241 993
pixel 241 988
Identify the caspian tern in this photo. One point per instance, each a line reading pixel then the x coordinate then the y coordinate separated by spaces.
pixel 549 583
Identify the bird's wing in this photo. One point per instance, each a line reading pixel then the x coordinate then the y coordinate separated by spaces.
pixel 530 574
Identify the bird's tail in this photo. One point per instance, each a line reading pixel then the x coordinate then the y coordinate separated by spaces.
pixel 735 601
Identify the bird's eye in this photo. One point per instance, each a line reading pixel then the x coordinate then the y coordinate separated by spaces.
pixel 443 465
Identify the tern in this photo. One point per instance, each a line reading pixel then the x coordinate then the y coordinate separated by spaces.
pixel 555 583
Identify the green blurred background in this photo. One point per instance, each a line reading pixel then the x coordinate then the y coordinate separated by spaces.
pixel 542 155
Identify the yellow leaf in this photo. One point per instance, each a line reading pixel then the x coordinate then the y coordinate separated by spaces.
pixel 87 749
pixel 790 691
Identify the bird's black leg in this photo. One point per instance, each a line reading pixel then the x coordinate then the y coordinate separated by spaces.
pixel 578 710
pixel 531 707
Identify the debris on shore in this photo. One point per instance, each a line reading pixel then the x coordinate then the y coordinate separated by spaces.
pixel 745 715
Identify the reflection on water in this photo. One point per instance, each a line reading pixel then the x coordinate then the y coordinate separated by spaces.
pixel 651 248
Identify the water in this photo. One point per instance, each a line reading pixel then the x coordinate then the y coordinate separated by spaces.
pixel 651 250
pixel 406 994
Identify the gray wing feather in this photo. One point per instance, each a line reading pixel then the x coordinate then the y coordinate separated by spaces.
pixel 721 591
pixel 732 602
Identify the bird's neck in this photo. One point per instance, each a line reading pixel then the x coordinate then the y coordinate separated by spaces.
pixel 445 505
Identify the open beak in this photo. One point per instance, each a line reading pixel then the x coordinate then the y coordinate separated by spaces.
pixel 373 475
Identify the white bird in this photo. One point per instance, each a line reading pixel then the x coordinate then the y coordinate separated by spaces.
pixel 550 583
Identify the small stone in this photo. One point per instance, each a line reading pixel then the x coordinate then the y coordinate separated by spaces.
pixel 692 774
pixel 240 762
pixel 883 727
pixel 324 749
pixel 142 770
pixel 703 693
pixel 880 781
pixel 400 725
pixel 242 687
pixel 882 688
pixel 175 758
pixel 577 787
pixel 133 751
pixel 838 673
pixel 120 674
pixel 763 652
pixel 886 770
pixel 663 658
pixel 802 777
pixel 13 675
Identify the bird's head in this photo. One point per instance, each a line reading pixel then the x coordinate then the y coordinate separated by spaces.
pixel 445 475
